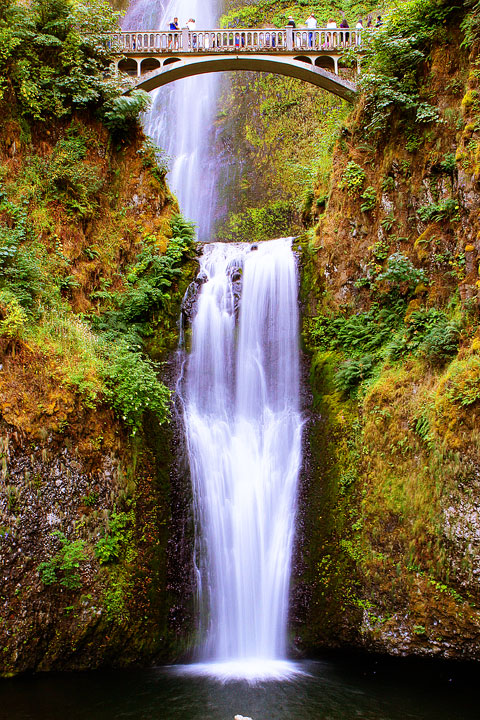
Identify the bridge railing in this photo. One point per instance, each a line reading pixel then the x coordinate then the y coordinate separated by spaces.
pixel 287 40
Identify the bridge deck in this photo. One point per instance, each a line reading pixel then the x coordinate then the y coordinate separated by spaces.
pixel 286 41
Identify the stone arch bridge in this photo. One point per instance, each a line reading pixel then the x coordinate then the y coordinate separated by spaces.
pixel 156 58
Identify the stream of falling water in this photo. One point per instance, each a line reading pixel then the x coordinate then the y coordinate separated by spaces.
pixel 243 424
pixel 240 391
pixel 182 115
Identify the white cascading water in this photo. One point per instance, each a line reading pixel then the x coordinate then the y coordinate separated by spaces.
pixel 243 424
pixel 182 115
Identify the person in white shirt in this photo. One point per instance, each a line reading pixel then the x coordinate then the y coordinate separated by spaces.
pixel 331 38
pixel 191 26
pixel 311 24
pixel 359 27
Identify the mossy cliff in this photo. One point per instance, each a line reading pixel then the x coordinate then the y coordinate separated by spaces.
pixel 391 524
pixel 275 135
pixel 94 262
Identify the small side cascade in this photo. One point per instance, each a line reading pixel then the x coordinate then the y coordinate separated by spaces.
pixel 243 425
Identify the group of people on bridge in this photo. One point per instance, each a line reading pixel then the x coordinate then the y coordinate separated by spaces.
pixel 310 25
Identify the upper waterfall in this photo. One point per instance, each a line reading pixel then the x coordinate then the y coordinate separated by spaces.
pixel 181 117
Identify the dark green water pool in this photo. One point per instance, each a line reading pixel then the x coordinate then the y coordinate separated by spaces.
pixel 330 691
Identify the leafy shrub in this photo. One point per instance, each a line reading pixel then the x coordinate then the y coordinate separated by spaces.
pixel 109 547
pixel 132 385
pixel 72 181
pixel 56 55
pixel 448 164
pixel 400 276
pixel 393 61
pixel 463 381
pixel 470 27
pixel 440 344
pixel 353 178
pixel 121 114
pixel 12 315
pixel 444 210
pixel 369 197
pixel 352 372
pixel 63 567
pixel 429 334
pixel 358 334
pixel 154 158
pixel 20 262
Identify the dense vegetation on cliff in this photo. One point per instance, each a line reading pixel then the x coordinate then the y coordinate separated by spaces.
pixel 393 326
pixel 94 260
pixel 276 134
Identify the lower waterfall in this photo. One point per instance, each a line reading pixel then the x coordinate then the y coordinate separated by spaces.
pixel 243 425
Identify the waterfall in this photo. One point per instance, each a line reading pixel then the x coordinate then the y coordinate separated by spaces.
pixel 243 425
pixel 181 118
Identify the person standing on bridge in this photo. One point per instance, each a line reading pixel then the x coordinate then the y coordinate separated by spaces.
pixel 191 25
pixel 291 22
pixel 331 38
pixel 345 35
pixel 173 26
pixel 359 27
pixel 311 24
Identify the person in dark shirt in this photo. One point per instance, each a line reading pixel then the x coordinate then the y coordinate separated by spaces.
pixel 344 24
pixel 291 22
pixel 173 26
pixel 379 22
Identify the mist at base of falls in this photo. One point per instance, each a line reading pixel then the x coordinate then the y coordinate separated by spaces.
pixel 243 425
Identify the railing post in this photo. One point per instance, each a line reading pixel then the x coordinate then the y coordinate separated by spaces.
pixel 185 46
pixel 289 38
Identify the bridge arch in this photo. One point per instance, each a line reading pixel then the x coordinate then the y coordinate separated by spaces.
pixel 178 68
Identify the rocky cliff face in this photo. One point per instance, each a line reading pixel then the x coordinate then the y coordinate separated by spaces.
pixel 89 538
pixel 390 287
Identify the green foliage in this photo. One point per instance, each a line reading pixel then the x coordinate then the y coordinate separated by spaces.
pixel 65 176
pixel 388 184
pixel 255 224
pixel 248 13
pixel 360 334
pixel 12 315
pixel 109 547
pixel 443 210
pixel 56 55
pixel 440 343
pixel 150 280
pixel 62 568
pixel 394 56
pixel 369 197
pixel 352 372
pixel 400 276
pixel 20 256
pixel 448 164
pixel 90 500
pixel 470 26
pixel 132 385
pixel 463 381
pixel 353 179
pixel 430 335
pixel 121 113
